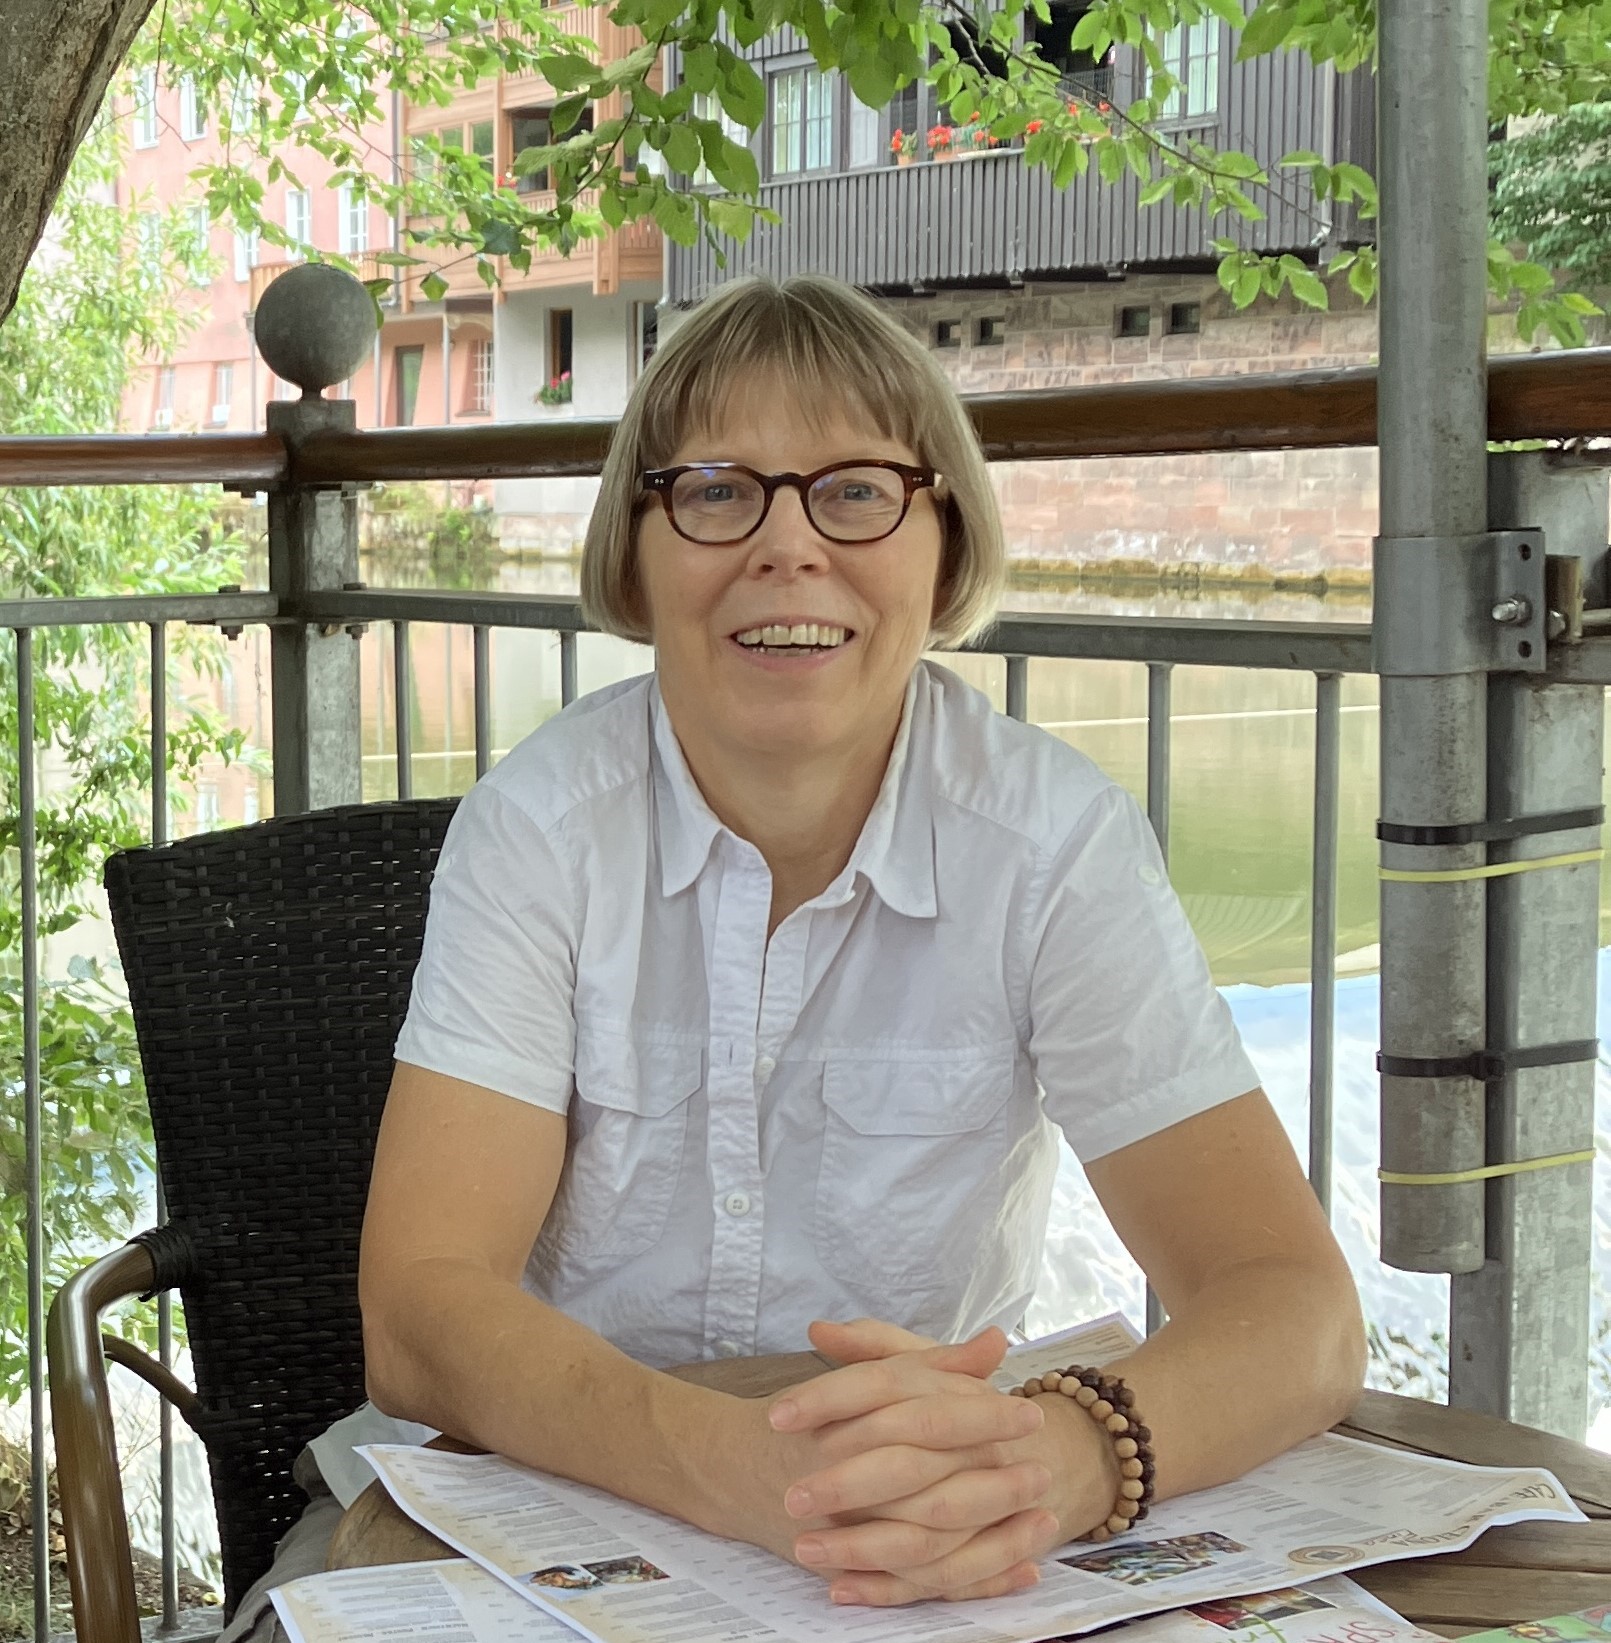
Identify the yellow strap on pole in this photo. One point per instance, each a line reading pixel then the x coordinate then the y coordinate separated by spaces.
pixel 1455 1178
pixel 1494 870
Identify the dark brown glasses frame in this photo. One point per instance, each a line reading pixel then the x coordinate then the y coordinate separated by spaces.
pixel 659 482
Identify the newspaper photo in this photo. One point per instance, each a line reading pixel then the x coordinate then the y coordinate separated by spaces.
pixel 459 1602
pixel 622 1573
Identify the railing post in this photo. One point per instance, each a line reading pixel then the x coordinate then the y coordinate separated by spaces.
pixel 1519 1327
pixel 314 326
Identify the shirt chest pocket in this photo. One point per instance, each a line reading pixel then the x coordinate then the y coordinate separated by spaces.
pixel 912 1160
pixel 629 1124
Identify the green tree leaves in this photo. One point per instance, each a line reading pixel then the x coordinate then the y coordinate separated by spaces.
pixel 320 71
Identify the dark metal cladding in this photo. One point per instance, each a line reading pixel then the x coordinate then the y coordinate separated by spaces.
pixel 989 220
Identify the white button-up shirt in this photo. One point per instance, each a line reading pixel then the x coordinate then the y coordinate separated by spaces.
pixel 854 1115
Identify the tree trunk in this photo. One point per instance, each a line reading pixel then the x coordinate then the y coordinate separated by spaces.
pixel 56 59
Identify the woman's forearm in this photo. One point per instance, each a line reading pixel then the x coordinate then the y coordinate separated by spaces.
pixel 479 1358
pixel 1264 1355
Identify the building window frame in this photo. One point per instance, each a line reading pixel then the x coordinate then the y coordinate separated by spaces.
pixel 247 244
pixel 408 365
pixel 162 403
pixel 1185 319
pixel 1133 321
pixel 1192 56
pixel 352 220
pixel 223 393
pixel 805 143
pixel 147 133
pixel 192 111
pixel 298 223
pixel 479 378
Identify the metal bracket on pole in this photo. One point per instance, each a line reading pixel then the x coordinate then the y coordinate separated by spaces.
pixel 1461 604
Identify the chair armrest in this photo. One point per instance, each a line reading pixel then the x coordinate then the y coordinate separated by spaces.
pixel 100 1568
pixel 155 1375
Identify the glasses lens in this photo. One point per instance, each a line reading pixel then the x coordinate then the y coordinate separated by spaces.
pixel 857 504
pixel 716 505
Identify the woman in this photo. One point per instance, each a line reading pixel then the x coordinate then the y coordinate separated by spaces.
pixel 750 995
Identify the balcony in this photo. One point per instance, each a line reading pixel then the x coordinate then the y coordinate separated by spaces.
pixel 366 265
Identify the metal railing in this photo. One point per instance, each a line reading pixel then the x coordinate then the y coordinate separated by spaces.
pixel 1559 397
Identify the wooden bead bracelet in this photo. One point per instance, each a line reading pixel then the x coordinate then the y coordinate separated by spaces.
pixel 1112 1405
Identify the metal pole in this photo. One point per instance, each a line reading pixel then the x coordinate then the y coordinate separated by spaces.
pixel 1160 680
pixel 567 667
pixel 1018 688
pixel 404 719
pixel 159 835
pixel 1323 930
pixel 33 1127
pixel 313 547
pixel 1432 428
pixel 483 703
pixel 1519 1328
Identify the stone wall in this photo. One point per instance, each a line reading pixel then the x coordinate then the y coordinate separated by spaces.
pixel 1275 516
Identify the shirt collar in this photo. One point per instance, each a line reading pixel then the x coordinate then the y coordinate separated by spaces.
pixel 895 852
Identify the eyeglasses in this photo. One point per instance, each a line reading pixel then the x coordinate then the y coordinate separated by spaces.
pixel 716 503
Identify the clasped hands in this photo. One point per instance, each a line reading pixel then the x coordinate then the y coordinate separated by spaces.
pixel 909 1476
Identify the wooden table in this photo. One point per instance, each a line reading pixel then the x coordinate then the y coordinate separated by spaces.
pixel 1523 1571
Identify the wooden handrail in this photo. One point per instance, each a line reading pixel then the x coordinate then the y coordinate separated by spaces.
pixel 1564 395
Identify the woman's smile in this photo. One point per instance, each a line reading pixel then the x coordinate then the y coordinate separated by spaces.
pixel 792 644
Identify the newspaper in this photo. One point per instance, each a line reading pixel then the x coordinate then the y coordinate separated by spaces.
pixel 459 1602
pixel 622 1573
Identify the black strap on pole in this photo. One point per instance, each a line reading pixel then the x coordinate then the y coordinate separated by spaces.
pixel 1488 1065
pixel 1496 831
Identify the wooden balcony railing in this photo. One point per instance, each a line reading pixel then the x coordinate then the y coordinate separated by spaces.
pixel 365 265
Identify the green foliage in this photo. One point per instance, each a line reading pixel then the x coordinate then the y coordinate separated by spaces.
pixel 321 69
pixel 1552 196
pixel 99 296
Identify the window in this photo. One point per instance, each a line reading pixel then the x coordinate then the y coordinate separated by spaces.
pixel 162 411
pixel 223 394
pixel 354 220
pixel 408 363
pixel 481 141
pixel 866 133
pixel 560 334
pixel 645 337
pixel 145 109
pixel 242 104
pixel 990 330
pixel 245 253
pixel 1054 40
pixel 948 333
pixel 1135 322
pixel 296 94
pixel 529 129
pixel 198 252
pixel 284 389
pixel 1184 318
pixel 802 121
pixel 480 398
pixel 192 115
pixel 148 234
pixel 708 106
pixel 1191 56
pixel 299 220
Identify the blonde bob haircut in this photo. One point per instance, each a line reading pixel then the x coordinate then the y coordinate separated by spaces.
pixel 833 352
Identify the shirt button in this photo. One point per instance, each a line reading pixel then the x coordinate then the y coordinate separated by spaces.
pixel 766 1066
pixel 729 1349
pixel 737 1203
pixel 1149 875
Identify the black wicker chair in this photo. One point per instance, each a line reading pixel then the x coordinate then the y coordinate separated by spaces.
pixel 268 969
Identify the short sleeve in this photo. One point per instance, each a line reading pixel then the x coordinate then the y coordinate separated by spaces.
pixel 1128 1033
pixel 493 997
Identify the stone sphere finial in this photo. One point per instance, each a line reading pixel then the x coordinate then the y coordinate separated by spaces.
pixel 314 326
